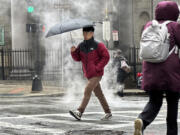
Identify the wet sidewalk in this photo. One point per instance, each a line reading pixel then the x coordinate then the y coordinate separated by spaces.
pixel 24 89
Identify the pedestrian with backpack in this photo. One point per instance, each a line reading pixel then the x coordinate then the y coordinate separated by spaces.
pixel 123 70
pixel 161 67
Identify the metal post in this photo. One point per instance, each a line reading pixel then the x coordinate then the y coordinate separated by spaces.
pixel 135 63
pixel 152 8
pixel 62 51
pixel 107 44
pixel 134 46
pixel 36 83
pixel 2 60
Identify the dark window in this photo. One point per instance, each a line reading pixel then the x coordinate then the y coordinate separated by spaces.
pixel 1 35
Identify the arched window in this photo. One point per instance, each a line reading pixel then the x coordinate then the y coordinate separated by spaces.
pixel 144 17
pixel 1 35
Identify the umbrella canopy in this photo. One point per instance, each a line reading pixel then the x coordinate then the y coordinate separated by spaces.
pixel 69 25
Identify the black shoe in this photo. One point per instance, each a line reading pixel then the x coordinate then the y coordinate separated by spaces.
pixel 76 114
pixel 121 94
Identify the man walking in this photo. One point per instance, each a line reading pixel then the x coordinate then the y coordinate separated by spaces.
pixel 94 56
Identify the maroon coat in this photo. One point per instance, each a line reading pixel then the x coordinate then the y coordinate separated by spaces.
pixel 93 55
pixel 165 75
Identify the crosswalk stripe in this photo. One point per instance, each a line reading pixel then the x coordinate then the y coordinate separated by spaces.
pixel 86 121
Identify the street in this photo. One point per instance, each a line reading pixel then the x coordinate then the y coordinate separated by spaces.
pixel 53 50
pixel 49 115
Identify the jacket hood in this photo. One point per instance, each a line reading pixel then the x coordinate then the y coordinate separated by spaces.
pixel 167 10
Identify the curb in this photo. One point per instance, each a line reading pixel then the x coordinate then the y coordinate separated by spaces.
pixel 135 94
pixel 21 90
pixel 39 94
pixel 30 95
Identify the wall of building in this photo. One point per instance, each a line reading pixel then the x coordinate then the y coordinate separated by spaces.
pixel 19 20
pixel 142 13
pixel 125 24
pixel 128 17
pixel 5 22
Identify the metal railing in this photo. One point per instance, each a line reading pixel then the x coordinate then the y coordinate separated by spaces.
pixel 15 63
pixel 20 64
pixel 134 61
pixel 133 57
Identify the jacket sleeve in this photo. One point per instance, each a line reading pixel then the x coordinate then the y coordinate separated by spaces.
pixel 177 34
pixel 104 56
pixel 76 54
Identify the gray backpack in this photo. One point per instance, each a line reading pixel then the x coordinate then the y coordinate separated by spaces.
pixel 154 44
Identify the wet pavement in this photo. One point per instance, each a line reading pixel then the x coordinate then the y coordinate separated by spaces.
pixel 49 115
pixel 94 132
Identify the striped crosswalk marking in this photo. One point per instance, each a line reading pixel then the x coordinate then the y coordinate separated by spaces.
pixel 66 119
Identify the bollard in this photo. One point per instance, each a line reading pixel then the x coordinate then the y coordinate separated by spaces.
pixel 36 84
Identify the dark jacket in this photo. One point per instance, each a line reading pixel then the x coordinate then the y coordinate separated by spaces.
pixel 93 55
pixel 165 75
pixel 121 74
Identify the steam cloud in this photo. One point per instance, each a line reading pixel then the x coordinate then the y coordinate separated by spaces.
pixel 74 81
pixel 70 73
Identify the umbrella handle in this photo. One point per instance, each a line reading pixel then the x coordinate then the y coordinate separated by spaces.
pixel 71 38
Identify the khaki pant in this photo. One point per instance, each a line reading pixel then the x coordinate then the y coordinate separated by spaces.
pixel 94 85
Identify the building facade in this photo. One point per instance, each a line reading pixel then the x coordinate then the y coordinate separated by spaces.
pixel 21 28
pixel 127 17
pixel 143 11
pixel 5 24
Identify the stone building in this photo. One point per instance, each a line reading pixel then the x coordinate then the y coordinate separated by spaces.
pixel 127 17
pixel 143 11
pixel 5 24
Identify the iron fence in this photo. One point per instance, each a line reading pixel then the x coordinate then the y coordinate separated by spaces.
pixel 20 64
pixel 15 64
pixel 133 57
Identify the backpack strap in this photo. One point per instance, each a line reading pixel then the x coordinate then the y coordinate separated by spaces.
pixel 166 22
pixel 179 52
pixel 174 48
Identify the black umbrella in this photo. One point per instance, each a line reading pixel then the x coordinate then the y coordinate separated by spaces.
pixel 69 25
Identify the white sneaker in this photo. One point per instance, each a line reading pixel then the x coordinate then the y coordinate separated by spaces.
pixel 107 116
pixel 138 125
pixel 76 114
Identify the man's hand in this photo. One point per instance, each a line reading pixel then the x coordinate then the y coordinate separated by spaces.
pixel 73 49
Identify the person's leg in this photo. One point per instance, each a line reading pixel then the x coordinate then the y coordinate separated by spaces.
pixel 172 112
pixel 152 107
pixel 92 83
pixel 120 91
pixel 99 94
pixel 149 113
pixel 120 79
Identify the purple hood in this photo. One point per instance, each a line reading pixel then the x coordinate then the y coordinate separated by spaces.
pixel 167 10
